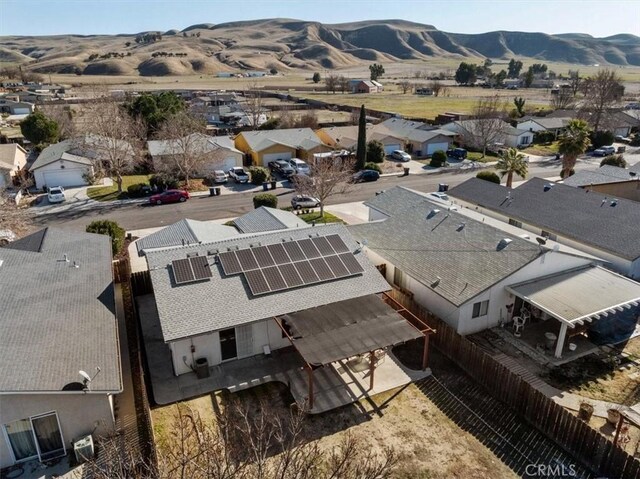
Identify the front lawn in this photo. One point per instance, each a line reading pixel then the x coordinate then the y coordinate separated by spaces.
pixel 110 193
pixel 546 149
pixel 315 216
pixel 477 156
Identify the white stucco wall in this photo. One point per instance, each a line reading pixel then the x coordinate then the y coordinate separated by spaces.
pixel 79 415
pixel 38 174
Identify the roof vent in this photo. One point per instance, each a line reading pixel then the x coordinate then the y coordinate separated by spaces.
pixel 547 186
pixel 461 226
pixel 436 282
pixel 614 202
pixel 212 252
pixel 632 173
pixel 504 242
pixel 432 213
pixel 604 200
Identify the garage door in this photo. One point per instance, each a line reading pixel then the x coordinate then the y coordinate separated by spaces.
pixel 275 156
pixel 65 178
pixel 21 111
pixel 433 147
pixel 388 149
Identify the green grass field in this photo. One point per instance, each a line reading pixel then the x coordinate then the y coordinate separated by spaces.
pixel 110 193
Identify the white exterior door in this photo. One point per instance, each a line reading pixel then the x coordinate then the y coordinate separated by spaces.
pixel 388 149
pixel 65 178
pixel 276 156
pixel 244 340
pixel 433 147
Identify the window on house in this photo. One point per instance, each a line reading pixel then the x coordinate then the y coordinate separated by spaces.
pixel 37 436
pixel 515 223
pixel 480 309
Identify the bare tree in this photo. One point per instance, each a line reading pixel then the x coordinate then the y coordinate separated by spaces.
pixel 331 83
pixel 343 84
pixel 601 92
pixel 437 87
pixel 405 86
pixel 18 219
pixel 112 136
pixel 575 81
pixel 487 126
pixel 63 116
pixel 254 104
pixel 563 100
pixel 329 177
pixel 188 146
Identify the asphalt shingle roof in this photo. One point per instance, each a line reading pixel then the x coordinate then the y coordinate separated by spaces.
pixel 586 217
pixel 304 138
pixel 183 232
pixel 460 251
pixel 222 302
pixel 204 142
pixel 79 150
pixel 604 174
pixel 267 219
pixel 56 319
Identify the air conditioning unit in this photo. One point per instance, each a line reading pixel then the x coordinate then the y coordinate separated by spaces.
pixel 83 449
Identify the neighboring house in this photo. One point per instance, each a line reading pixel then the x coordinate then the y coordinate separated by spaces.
pixel 16 107
pixel 554 125
pixel 419 138
pixel 57 317
pixel 71 162
pixel 475 276
pixel 267 219
pixel 597 224
pixel 365 86
pixel 619 123
pixel 13 158
pixel 218 152
pixel 268 145
pixel 346 137
pixel 609 180
pixel 470 130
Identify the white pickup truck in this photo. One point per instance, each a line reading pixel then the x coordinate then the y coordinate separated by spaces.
pixel 239 175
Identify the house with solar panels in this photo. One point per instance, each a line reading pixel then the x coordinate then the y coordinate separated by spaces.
pixel 296 305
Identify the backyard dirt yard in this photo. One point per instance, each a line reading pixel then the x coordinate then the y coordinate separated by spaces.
pixel 429 443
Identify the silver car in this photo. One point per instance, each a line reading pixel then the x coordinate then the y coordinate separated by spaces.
pixel 55 194
pixel 400 155
pixel 304 201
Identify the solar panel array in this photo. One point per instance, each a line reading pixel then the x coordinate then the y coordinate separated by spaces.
pixel 291 264
pixel 191 269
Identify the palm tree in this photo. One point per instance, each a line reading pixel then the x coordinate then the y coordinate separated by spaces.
pixel 573 143
pixel 512 161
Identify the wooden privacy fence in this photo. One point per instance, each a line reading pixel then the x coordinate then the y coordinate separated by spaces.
pixel 141 283
pixel 572 434
pixel 121 270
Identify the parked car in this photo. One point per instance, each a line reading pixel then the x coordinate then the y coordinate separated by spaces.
pixel 365 175
pixel 605 151
pixel 169 196
pixel 400 155
pixel 282 167
pixel 457 153
pixel 299 166
pixel 622 139
pixel 6 237
pixel 220 176
pixel 440 196
pixel 55 194
pixel 239 175
pixel 303 201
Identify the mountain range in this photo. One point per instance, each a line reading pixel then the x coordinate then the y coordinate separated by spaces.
pixel 286 44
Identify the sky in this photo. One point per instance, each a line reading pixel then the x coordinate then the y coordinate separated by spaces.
pixel 599 18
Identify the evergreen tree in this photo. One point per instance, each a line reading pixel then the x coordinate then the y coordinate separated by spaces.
pixel 361 152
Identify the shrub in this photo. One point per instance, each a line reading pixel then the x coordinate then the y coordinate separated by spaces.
pixel 164 181
pixel 136 191
pixel 438 159
pixel 543 137
pixel 635 141
pixel 316 77
pixel 375 152
pixel 265 199
pixel 259 175
pixel 489 176
pixel 601 138
pixel 92 177
pixel 109 228
pixel 373 166
pixel 614 160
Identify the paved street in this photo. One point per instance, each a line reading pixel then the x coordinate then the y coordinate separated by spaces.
pixel 141 215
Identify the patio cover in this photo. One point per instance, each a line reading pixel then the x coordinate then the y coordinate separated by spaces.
pixel 347 328
pixel 581 294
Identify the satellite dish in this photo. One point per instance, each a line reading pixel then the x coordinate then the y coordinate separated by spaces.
pixel 87 378
pixel 541 241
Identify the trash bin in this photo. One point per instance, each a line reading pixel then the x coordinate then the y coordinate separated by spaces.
pixel 212 191
pixel 202 368
pixel 442 187
pixel 273 184
pixel 550 340
pixel 265 186
pixel 406 170
pixel 622 149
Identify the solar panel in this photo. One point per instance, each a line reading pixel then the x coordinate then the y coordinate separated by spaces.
pixel 337 243
pixel 256 281
pixel 306 272
pixel 290 275
pixel 274 278
pixel 310 251
pixel 247 260
pixel 351 263
pixel 294 251
pixel 200 267
pixel 230 263
pixel 278 253
pixel 263 256
pixel 321 268
pixel 182 272
pixel 323 245
pixel 338 268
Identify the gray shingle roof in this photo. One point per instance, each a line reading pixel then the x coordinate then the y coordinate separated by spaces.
pixel 185 231
pixel 267 219
pixel 223 302
pixel 56 319
pixel 79 150
pixel 204 142
pixel 563 210
pixel 465 258
pixel 551 123
pixel 395 200
pixel 604 174
pixel 304 138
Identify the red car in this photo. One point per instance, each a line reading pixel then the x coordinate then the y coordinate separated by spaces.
pixel 169 196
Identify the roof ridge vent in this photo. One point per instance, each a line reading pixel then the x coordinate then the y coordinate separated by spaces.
pixel 433 213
